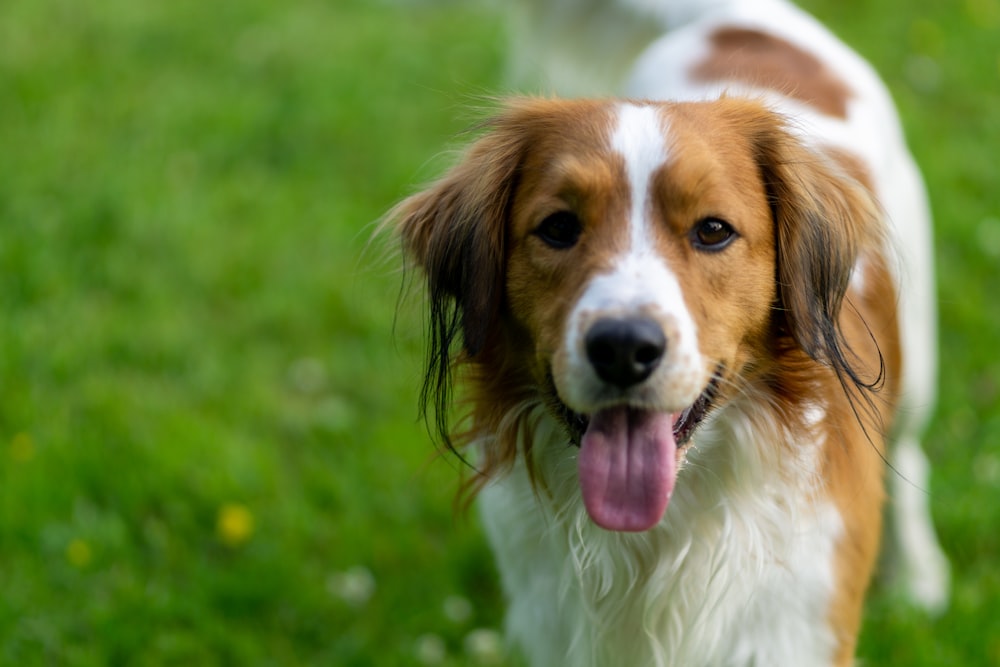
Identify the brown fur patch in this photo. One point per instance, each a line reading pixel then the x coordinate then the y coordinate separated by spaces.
pixel 855 456
pixel 765 61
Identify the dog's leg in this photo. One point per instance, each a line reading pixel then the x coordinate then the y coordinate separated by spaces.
pixel 923 567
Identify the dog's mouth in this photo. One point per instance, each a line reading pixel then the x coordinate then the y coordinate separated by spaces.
pixel 690 418
pixel 629 457
pixel 684 426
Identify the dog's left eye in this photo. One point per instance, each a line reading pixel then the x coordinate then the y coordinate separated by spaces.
pixel 712 234
pixel 560 230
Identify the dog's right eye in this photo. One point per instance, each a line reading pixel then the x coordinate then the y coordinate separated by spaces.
pixel 560 230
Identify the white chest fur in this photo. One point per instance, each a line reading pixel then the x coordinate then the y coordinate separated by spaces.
pixel 739 572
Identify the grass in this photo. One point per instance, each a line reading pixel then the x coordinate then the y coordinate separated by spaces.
pixel 209 446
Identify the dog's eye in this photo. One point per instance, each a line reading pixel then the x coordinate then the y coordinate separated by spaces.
pixel 712 235
pixel 560 230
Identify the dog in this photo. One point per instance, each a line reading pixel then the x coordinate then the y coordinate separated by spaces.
pixel 692 319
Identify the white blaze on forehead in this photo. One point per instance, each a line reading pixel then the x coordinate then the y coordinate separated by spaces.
pixel 638 282
pixel 639 138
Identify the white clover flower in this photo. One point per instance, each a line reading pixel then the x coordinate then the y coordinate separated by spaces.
pixel 484 646
pixel 355 586
pixel 430 649
pixel 307 376
pixel 457 609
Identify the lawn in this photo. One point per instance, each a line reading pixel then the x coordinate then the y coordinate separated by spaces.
pixel 210 451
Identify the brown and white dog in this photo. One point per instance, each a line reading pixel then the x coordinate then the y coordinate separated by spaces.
pixel 692 324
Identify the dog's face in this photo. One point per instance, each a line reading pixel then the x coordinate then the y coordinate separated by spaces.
pixel 641 268
pixel 625 264
pixel 642 265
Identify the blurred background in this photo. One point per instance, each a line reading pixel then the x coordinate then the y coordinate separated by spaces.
pixel 210 451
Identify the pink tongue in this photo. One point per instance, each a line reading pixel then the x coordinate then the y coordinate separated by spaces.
pixel 627 467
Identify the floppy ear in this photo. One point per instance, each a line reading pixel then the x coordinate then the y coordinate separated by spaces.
pixel 455 231
pixel 822 218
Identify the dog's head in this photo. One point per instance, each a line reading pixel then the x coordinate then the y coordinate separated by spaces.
pixel 623 264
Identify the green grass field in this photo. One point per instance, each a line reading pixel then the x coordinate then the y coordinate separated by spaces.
pixel 210 451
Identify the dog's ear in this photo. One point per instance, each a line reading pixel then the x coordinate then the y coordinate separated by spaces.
pixel 456 232
pixel 822 217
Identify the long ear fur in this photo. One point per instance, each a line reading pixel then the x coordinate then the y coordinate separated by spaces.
pixel 455 231
pixel 823 217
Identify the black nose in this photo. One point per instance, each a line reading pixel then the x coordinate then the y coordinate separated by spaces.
pixel 624 352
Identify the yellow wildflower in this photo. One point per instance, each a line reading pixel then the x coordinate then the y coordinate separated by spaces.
pixel 234 525
pixel 78 553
